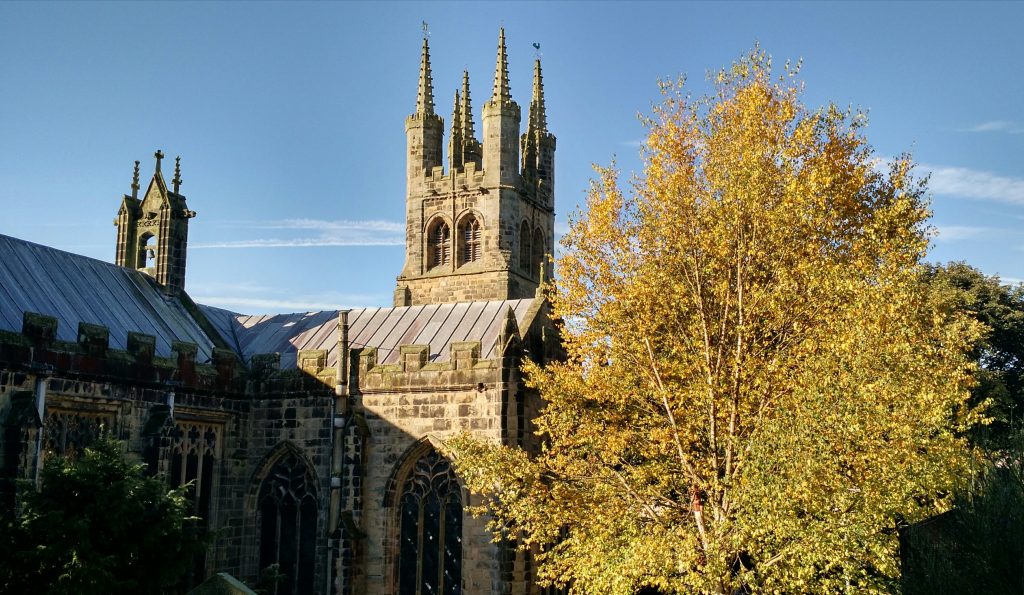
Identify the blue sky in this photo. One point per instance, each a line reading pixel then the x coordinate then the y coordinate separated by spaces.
pixel 289 117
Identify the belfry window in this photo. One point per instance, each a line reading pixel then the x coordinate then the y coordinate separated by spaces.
pixel 470 229
pixel 430 558
pixel 147 251
pixel 287 518
pixel 524 247
pixel 439 245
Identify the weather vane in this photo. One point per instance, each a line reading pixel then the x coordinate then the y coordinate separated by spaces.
pixel 426 30
pixel 536 50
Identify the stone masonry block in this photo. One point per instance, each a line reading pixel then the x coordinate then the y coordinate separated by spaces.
pixel 94 338
pixel 40 329
pixel 141 347
pixel 464 354
pixel 312 361
pixel 414 357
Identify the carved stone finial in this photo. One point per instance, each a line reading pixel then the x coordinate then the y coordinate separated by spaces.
pixel 177 173
pixel 135 181
pixel 159 155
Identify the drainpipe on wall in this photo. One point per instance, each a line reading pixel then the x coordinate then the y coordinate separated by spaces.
pixel 339 408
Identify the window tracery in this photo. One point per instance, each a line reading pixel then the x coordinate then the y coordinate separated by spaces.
pixel 430 556
pixel 287 521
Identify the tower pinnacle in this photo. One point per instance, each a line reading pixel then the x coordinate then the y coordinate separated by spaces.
pixel 501 93
pixel 425 94
pixel 538 116
pixel 135 181
pixel 455 142
pixel 177 174
pixel 466 110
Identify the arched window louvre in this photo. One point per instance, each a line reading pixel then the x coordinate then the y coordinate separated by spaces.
pixel 470 240
pixel 439 248
pixel 537 258
pixel 430 556
pixel 287 525
pixel 524 247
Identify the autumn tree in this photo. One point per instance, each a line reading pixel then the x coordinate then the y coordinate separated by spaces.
pixel 759 387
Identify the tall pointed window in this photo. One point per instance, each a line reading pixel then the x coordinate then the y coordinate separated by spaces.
pixel 470 230
pixel 193 454
pixel 430 558
pixel 537 258
pixel 524 247
pixel 287 518
pixel 439 244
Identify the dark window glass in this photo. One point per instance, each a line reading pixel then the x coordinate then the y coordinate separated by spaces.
pixel 288 519
pixel 430 552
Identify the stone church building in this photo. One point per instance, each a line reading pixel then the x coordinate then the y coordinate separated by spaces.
pixel 312 438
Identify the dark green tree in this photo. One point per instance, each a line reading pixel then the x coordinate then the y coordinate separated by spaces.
pixel 98 526
pixel 1000 352
pixel 978 547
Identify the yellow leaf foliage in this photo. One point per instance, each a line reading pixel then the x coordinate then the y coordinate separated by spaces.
pixel 759 387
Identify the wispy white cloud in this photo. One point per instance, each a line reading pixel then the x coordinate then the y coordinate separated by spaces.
pixel 976 184
pixel 996 126
pixel 634 143
pixel 952 233
pixel 301 243
pixel 561 228
pixel 262 305
pixel 326 224
pixel 1010 280
pixel 373 232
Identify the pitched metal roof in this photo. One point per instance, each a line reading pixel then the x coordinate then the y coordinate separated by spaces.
pixel 437 325
pixel 76 288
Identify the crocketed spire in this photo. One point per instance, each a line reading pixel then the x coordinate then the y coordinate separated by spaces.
pixel 538 116
pixel 425 93
pixel 466 110
pixel 501 94
pixel 455 147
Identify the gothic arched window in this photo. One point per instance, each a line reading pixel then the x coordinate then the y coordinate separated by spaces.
pixel 524 247
pixel 470 234
pixel 287 517
pixel 537 258
pixel 439 244
pixel 430 558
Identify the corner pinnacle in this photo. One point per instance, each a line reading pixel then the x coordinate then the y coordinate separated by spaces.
pixel 538 114
pixel 466 109
pixel 135 180
pixel 501 91
pixel 177 174
pixel 425 93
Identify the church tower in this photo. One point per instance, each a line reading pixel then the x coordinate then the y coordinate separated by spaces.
pixel 152 232
pixel 482 227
